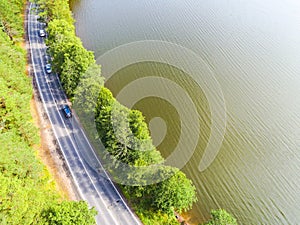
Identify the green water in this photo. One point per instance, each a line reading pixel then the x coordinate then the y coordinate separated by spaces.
pixel 252 49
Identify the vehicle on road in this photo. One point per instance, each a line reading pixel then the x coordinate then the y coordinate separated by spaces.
pixel 42 33
pixel 67 111
pixel 48 68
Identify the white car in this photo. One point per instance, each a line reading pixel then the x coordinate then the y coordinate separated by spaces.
pixel 48 68
pixel 42 33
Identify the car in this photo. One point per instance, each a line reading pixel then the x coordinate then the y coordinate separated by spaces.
pixel 67 111
pixel 42 33
pixel 48 68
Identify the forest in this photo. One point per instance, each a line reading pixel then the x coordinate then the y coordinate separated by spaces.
pixel 28 194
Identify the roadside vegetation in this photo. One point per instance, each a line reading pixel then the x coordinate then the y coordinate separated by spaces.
pixel 221 217
pixel 154 203
pixel 27 193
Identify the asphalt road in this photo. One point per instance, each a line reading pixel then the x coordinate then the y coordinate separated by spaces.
pixel 93 185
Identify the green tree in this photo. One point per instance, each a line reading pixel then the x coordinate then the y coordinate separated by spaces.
pixel 70 59
pixel 124 132
pixel 75 63
pixel 22 200
pixel 69 213
pixel 54 9
pixel 142 141
pixel 221 217
pixel 175 193
pixel 86 98
pixel 10 19
pixel 87 92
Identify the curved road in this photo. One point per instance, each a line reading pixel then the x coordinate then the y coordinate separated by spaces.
pixel 93 185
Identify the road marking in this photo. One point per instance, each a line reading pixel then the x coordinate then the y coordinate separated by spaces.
pixel 68 133
pixel 44 104
pixel 42 97
pixel 93 152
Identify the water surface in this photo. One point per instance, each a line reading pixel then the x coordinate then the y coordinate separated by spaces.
pixel 253 49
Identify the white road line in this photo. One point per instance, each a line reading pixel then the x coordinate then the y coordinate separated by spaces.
pixel 42 97
pixel 108 177
pixel 119 195
pixel 82 195
pixel 73 144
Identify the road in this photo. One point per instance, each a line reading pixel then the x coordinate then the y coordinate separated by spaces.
pixel 94 186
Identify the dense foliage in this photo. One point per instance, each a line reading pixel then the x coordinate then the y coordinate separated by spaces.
pixel 125 136
pixel 221 217
pixel 70 58
pixel 69 213
pixel 124 133
pixel 11 21
pixel 27 194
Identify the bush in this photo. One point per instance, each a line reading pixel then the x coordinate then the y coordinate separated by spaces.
pixel 221 217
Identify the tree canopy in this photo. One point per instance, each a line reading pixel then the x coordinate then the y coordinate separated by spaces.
pixel 221 217
pixel 69 213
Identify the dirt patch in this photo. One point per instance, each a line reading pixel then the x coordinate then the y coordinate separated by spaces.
pixel 49 153
pixel 183 219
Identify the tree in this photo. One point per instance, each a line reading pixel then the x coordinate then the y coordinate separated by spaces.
pixel 55 9
pixel 10 19
pixel 69 213
pixel 76 61
pixel 221 217
pixel 124 132
pixel 70 59
pixel 87 92
pixel 60 36
pixel 141 138
pixel 174 192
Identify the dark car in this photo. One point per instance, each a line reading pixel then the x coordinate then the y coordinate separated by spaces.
pixel 48 68
pixel 67 111
pixel 42 33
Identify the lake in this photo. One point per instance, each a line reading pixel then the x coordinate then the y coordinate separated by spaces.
pixel 237 62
